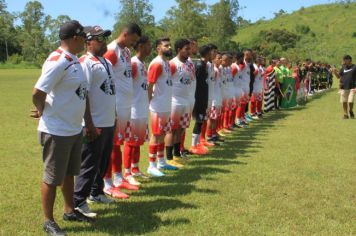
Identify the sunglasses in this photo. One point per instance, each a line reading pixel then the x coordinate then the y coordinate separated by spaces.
pixel 100 39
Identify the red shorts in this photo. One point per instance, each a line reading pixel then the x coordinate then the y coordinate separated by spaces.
pixel 139 131
pixel 180 117
pixel 122 132
pixel 160 123
pixel 214 112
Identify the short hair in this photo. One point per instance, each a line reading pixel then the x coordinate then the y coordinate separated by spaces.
pixel 248 50
pixel 212 46
pixel 143 39
pixel 180 43
pixel 193 40
pixel 239 55
pixel 133 28
pixel 204 50
pixel 347 57
pixel 160 40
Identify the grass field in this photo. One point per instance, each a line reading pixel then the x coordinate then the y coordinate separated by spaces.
pixel 294 173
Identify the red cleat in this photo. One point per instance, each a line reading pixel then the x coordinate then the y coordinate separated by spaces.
pixel 116 193
pixel 125 185
pixel 198 150
pixel 206 143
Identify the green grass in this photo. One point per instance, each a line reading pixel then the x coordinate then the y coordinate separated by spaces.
pixel 332 24
pixel 291 174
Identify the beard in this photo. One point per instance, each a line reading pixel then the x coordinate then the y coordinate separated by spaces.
pixel 167 53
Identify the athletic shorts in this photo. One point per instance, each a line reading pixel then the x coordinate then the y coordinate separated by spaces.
pixel 139 131
pixel 346 95
pixel 160 123
pixel 215 112
pixel 61 156
pixel 122 127
pixel 258 96
pixel 227 104
pixel 180 116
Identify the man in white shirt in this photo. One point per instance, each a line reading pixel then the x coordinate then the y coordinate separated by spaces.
pixel 99 121
pixel 60 98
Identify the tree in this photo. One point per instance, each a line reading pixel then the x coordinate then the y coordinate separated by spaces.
pixel 136 11
pixel 222 24
pixel 187 20
pixel 281 12
pixel 34 43
pixel 8 39
pixel 53 26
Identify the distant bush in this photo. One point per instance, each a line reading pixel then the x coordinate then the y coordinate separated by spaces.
pixel 354 34
pixel 302 29
pixel 15 59
pixel 21 65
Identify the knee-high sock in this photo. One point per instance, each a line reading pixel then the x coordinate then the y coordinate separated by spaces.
pixel 226 119
pixel 241 112
pixel 128 157
pixel 253 105
pixel 152 153
pixel 182 140
pixel 115 162
pixel 203 130
pixel 135 159
pixel 259 107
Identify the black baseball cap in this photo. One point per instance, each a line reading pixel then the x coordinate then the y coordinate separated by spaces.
pixel 93 31
pixel 70 29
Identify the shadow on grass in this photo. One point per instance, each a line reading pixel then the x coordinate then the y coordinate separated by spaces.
pixel 140 217
pixel 134 218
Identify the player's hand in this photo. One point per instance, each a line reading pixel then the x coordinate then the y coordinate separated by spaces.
pixel 35 114
pixel 91 132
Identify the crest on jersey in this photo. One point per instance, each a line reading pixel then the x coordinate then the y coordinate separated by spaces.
pixel 82 91
pixel 108 87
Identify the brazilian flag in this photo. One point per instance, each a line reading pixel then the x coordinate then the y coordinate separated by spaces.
pixel 290 95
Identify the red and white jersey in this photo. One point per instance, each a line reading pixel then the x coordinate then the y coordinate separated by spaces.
pixel 182 77
pixel 211 81
pixel 140 104
pixel 217 96
pixel 244 77
pixel 159 74
pixel 64 82
pixel 120 59
pixel 237 80
pixel 259 74
pixel 228 82
pixel 99 74
pixel 193 84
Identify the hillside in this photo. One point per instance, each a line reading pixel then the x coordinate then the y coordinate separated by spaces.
pixel 332 31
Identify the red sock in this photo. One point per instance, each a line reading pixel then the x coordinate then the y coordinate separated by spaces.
pixel 203 131
pixel 116 162
pixel 253 104
pixel 226 119
pixel 136 159
pixel 259 107
pixel 241 112
pixel 182 140
pixel 128 156
pixel 209 131
pixel 160 150
pixel 152 152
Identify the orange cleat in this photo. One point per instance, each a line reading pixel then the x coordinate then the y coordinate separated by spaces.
pixel 126 185
pixel 116 193
pixel 206 143
pixel 197 150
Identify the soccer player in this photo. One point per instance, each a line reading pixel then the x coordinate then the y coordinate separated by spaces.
pixel 120 57
pixel 257 93
pixel 227 91
pixel 218 97
pixel 60 98
pixel 238 83
pixel 160 100
pixel 201 99
pixel 269 87
pixel 182 72
pixel 99 122
pixel 139 111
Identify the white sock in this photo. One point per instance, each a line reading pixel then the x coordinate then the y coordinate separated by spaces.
pixel 117 178
pixel 195 139
pixel 152 164
pixel 108 183
pixel 161 161
pixel 127 172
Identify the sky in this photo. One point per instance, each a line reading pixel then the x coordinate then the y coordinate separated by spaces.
pixel 102 12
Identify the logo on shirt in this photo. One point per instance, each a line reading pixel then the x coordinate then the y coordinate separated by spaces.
pixel 169 82
pixel 128 73
pixel 345 71
pixel 144 86
pixel 108 87
pixel 82 91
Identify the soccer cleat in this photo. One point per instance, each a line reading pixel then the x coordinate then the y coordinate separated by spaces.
pixel 85 210
pixel 132 180
pixel 207 143
pixel 139 174
pixel 248 117
pixel 167 166
pixel 352 115
pixel 346 117
pixel 101 198
pixel 126 185
pixel 197 150
pixel 176 164
pixel 154 172
pixel 184 152
pixel 52 228
pixel 227 131
pixel 77 216
pixel 260 116
pixel 116 193
pixel 221 133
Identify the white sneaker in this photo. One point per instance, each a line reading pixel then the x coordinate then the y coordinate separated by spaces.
pixel 132 180
pixel 154 172
pixel 140 175
pixel 85 210
pixel 102 198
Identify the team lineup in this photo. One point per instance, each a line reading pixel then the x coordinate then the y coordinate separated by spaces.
pixel 97 111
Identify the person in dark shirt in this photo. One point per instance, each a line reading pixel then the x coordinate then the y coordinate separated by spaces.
pixel 347 76
pixel 201 98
